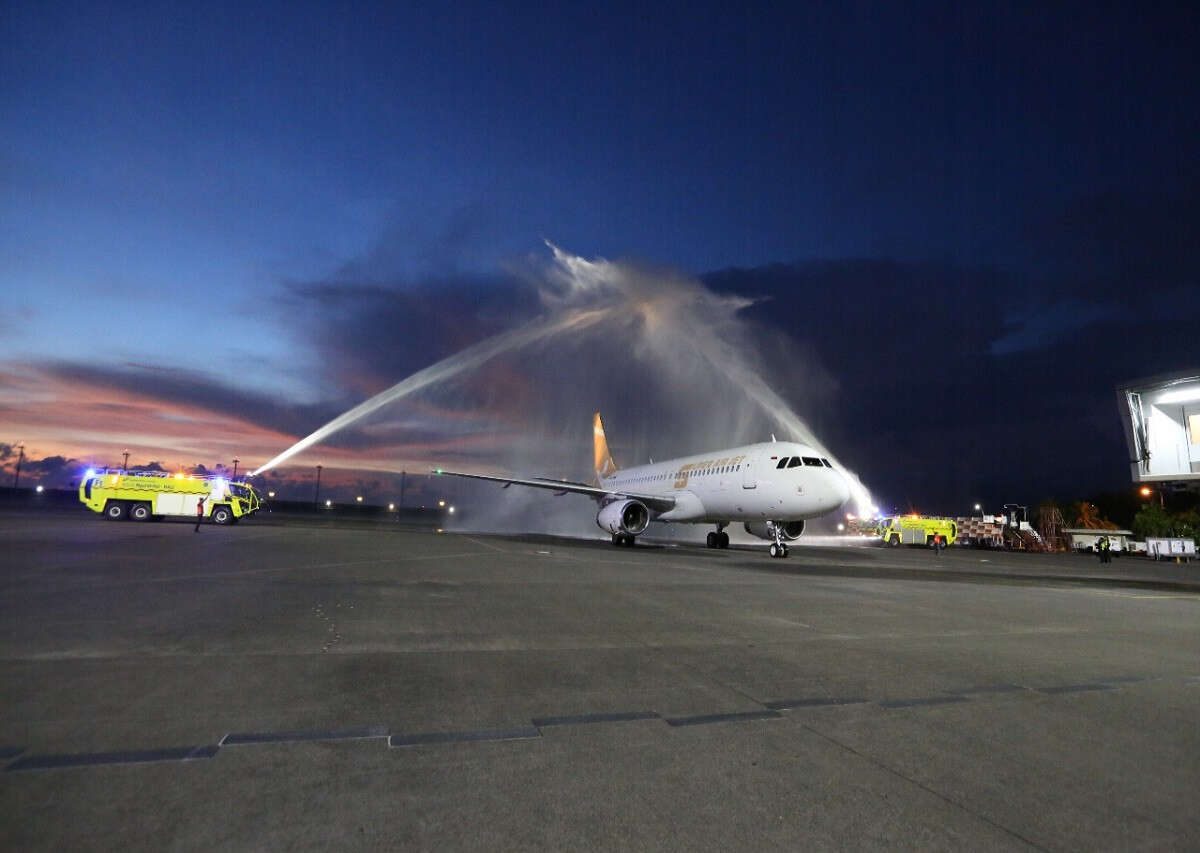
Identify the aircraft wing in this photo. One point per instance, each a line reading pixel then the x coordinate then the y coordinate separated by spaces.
pixel 562 487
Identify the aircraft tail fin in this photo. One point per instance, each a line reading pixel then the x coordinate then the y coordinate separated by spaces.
pixel 604 465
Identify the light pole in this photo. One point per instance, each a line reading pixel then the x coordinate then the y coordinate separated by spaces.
pixel 235 462
pixel 125 463
pixel 317 496
pixel 20 459
pixel 979 509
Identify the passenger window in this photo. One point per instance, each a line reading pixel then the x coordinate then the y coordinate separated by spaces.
pixel 812 461
pixel 782 463
pixel 795 462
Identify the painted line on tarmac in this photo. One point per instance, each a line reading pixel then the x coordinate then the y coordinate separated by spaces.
pixel 590 719
pixel 822 702
pixel 705 719
pixel 771 711
pixel 987 688
pixel 519 733
pixel 86 759
pixel 922 701
pixel 240 738
pixel 1075 688
pixel 483 544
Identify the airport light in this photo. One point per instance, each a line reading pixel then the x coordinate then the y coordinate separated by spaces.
pixel 328 503
pixel 235 464
pixel 441 503
pixel 841 527
pixel 1146 491
pixel 270 494
pixel 391 507
pixel 359 498
pixel 451 510
pixel 39 490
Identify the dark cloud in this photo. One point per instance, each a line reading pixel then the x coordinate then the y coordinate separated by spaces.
pixel 960 384
pixel 1096 246
pixel 52 472
pixel 371 334
pixel 185 388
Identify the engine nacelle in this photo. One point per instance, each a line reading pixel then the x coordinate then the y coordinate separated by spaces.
pixel 788 530
pixel 628 516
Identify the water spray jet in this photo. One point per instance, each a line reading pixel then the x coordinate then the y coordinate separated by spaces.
pixel 679 359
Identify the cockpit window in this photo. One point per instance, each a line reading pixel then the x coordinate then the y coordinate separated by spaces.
pixel 825 462
pixel 794 462
pixel 813 462
pixel 783 462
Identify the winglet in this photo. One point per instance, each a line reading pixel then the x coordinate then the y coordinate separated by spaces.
pixel 604 465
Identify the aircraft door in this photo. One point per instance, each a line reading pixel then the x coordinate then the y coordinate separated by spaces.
pixel 749 472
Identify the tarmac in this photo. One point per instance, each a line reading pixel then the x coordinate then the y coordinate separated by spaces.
pixel 286 684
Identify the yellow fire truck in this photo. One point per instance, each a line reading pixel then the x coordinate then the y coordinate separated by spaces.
pixel 915 530
pixel 151 495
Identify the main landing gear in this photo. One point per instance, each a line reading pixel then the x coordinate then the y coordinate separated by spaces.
pixel 623 539
pixel 719 538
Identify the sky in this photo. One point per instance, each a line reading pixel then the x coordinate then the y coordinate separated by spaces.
pixel 944 232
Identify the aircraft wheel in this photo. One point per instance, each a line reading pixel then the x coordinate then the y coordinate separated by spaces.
pixel 783 551
pixel 723 539
pixel 617 539
pixel 774 550
pixel 712 540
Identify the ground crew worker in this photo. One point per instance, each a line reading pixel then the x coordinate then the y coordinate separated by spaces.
pixel 1103 547
pixel 937 544
pixel 199 514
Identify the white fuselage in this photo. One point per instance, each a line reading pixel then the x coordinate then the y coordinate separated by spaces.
pixel 739 484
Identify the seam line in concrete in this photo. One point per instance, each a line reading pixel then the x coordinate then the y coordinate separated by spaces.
pixel 949 800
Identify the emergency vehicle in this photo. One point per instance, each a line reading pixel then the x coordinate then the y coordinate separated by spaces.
pixel 915 530
pixel 153 495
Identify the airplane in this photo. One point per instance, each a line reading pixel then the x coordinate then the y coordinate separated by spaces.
pixel 772 488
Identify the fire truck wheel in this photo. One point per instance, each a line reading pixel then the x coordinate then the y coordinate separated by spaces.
pixel 221 515
pixel 114 511
pixel 139 512
pixel 894 542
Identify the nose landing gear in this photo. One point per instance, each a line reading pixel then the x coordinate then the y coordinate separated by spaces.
pixel 778 548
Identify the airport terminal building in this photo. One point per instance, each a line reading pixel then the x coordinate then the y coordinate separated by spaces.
pixel 1161 415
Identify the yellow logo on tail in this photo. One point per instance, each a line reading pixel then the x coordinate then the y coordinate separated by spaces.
pixel 604 465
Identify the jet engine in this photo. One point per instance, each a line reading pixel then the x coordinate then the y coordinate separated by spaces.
pixel 627 516
pixel 788 530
